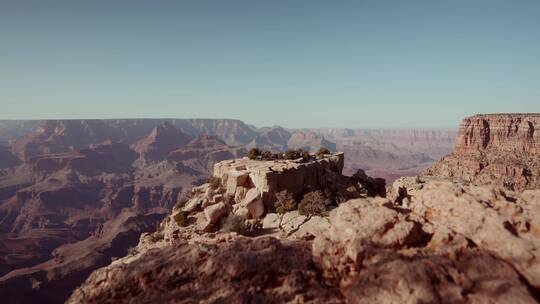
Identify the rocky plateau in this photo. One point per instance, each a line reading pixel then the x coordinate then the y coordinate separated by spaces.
pixel 172 211
pixel 299 231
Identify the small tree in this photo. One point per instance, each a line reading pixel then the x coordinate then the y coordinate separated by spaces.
pixel 214 182
pixel 254 154
pixel 313 203
pixel 238 224
pixel 181 218
pixel 267 155
pixel 322 152
pixel 285 202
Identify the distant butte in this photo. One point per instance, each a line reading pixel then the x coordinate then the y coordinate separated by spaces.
pixel 503 149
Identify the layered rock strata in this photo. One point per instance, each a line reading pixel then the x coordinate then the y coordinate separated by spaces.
pixel 503 149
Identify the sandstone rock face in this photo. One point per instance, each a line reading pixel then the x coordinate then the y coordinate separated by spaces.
pixel 214 213
pixel 226 268
pixel 495 148
pixel 450 244
pixel 247 188
pixel 270 177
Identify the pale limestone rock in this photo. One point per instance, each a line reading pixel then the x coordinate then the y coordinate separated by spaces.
pixel 200 189
pixel 294 225
pixel 253 203
pixel 236 179
pixel 477 243
pixel 503 222
pixel 209 193
pixel 217 198
pixel 270 177
pixel 240 194
pixel 193 204
pixel 215 213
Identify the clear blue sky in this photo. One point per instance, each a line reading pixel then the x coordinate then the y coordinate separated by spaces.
pixel 293 63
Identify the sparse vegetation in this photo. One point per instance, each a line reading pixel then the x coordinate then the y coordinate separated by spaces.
pixel 214 182
pixel 296 154
pixel 238 224
pixel 285 202
pixel 183 199
pixel 313 203
pixel 322 152
pixel 181 218
pixel 267 155
pixel 254 154
pixel 132 251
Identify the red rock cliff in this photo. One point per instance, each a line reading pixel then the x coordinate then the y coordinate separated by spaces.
pixel 501 149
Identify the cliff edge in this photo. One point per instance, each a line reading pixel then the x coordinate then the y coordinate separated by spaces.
pixel 502 149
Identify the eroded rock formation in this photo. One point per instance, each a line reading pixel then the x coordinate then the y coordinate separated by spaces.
pixel 447 243
pixel 495 148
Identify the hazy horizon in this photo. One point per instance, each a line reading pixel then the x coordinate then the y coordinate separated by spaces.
pixel 245 122
pixel 301 64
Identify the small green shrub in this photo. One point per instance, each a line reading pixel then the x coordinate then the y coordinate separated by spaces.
pixel 132 251
pixel 238 224
pixel 181 218
pixel 267 155
pixel 214 182
pixel 285 202
pixel 254 154
pixel 322 152
pixel 313 203
pixel 235 223
pixel 296 154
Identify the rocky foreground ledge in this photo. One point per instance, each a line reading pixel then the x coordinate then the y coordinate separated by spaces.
pixel 428 241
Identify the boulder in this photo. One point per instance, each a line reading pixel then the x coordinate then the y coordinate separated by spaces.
pixel 236 179
pixel 215 213
pixel 294 225
pixel 253 203
pixel 193 204
pixel 240 193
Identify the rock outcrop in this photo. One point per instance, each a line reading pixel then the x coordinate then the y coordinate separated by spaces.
pixel 248 188
pixel 270 177
pixel 447 244
pixel 194 246
pixel 225 268
pixel 496 148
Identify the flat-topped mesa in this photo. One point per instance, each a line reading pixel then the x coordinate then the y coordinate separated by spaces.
pixel 270 177
pixel 502 149
pixel 511 133
pixel 249 188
